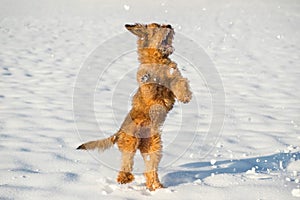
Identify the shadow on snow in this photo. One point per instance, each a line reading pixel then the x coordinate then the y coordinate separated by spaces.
pixel 201 170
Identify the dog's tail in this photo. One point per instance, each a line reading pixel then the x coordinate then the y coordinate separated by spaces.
pixel 101 145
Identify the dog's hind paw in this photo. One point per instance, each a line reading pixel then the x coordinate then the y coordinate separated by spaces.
pixel 154 186
pixel 125 177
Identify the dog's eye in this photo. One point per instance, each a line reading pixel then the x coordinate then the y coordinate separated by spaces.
pixel 145 78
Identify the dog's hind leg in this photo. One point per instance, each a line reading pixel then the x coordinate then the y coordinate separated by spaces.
pixel 151 152
pixel 127 145
pixel 125 175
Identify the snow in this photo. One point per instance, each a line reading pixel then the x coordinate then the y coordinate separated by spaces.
pixel 254 47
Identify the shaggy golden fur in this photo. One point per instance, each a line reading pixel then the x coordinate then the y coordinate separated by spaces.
pixel 160 83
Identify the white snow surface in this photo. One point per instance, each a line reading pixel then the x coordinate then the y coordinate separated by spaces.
pixel 255 47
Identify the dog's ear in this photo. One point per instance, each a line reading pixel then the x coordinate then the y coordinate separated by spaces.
pixel 137 29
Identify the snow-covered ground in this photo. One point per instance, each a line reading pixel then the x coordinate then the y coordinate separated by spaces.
pixel 254 46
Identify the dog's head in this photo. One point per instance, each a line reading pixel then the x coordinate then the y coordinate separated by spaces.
pixel 153 36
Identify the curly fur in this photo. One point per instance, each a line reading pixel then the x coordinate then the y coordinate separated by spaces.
pixel 160 83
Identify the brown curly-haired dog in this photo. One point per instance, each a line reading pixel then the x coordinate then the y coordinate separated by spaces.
pixel 160 83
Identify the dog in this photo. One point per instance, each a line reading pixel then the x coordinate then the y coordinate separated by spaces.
pixel 160 84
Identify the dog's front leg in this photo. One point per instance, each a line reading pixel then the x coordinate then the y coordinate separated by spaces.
pixel 181 89
pixel 179 85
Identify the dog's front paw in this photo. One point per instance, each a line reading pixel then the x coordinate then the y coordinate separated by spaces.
pixel 181 90
pixel 125 177
pixel 185 97
pixel 154 186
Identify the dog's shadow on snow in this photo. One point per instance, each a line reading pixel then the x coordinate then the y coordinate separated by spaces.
pixel 200 170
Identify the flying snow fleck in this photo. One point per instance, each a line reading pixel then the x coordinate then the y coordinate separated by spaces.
pixel 126 7
pixel 213 161
pixel 171 71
